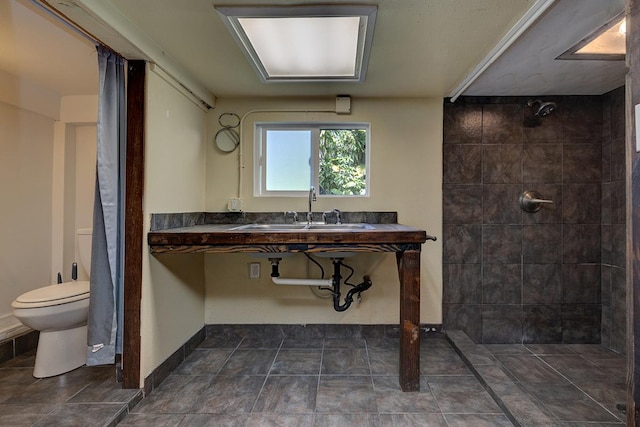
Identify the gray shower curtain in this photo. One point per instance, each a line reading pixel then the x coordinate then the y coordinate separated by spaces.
pixel 105 307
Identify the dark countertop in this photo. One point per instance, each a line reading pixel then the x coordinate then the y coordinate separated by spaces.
pixel 220 235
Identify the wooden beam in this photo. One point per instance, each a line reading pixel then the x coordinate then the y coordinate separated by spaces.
pixel 133 227
pixel 409 272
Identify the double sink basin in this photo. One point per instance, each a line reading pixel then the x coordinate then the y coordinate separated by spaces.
pixel 304 226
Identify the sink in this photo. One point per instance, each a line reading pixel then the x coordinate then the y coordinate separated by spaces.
pixel 303 226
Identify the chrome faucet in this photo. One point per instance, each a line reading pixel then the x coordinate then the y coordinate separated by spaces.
pixel 312 198
pixel 338 219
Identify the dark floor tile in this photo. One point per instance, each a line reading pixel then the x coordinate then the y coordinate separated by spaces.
pixel 261 342
pixel 345 361
pixel 249 362
pixel 477 420
pixel 442 362
pixel 577 369
pixel 20 420
pixel 152 420
pixel 278 420
pixel 228 394
pixel 541 349
pixel 591 349
pixel 297 361
pixel 16 377
pixel 461 394
pixel 391 344
pixel 288 395
pixel 568 403
pixel 391 399
pixel 357 343
pixel 412 420
pixel 105 391
pixel 47 390
pixel 221 342
pixel 351 420
pixel 530 369
pixel 345 394
pixel 384 362
pixel 26 360
pixel 86 415
pixel 176 394
pixel 526 409
pixel 608 394
pixel 204 362
pixel 303 343
pixel 214 420
pixel 509 349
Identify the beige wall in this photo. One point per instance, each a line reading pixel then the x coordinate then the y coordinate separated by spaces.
pixel 25 190
pixel 172 307
pixel 406 176
pixel 74 170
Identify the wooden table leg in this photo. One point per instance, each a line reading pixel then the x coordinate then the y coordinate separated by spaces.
pixel 409 272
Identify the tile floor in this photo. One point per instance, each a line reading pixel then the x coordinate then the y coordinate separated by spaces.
pixel 316 382
pixel 550 384
pixel 334 382
pixel 88 396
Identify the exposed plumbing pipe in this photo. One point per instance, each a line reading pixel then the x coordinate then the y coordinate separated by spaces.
pixel 275 277
pixel 332 284
pixel 302 282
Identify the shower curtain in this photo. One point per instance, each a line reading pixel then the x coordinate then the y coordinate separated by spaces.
pixel 105 306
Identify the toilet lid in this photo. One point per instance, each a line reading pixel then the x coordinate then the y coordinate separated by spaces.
pixel 55 294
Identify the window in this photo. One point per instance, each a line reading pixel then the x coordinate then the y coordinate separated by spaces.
pixel 289 158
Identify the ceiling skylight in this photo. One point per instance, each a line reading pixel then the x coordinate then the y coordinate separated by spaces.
pixel 304 43
pixel 606 43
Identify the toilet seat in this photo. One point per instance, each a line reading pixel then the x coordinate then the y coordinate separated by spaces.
pixel 53 295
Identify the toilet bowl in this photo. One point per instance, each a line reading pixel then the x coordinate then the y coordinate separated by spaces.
pixel 60 313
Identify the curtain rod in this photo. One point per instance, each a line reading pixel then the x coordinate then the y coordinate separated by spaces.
pixel 62 18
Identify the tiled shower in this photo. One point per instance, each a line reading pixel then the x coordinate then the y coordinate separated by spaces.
pixel 554 276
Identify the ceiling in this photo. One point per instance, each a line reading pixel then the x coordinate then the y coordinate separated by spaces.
pixel 421 48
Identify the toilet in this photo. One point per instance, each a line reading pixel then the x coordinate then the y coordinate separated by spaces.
pixel 60 313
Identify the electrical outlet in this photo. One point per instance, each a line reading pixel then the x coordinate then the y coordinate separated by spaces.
pixel 235 205
pixel 254 270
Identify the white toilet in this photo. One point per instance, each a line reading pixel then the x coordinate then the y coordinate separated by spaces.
pixel 60 313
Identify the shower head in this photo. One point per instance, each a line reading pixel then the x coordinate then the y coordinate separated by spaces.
pixel 544 109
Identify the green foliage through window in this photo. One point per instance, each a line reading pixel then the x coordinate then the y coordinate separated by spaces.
pixel 343 162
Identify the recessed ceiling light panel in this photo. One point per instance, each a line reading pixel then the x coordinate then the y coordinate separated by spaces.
pixel 304 43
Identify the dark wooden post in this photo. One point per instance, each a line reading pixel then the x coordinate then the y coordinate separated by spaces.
pixel 633 213
pixel 409 272
pixel 133 226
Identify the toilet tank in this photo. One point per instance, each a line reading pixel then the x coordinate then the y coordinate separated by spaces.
pixel 84 236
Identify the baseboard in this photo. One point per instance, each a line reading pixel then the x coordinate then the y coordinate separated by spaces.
pixel 172 362
pixel 18 345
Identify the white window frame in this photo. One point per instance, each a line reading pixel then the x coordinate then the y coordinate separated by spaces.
pixel 259 162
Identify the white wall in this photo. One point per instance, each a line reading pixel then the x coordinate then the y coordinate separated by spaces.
pixel 406 176
pixel 39 134
pixel 74 171
pixel 172 307
pixel 25 188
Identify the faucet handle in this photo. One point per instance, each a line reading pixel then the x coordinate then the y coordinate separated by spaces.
pixel 333 213
pixel 292 214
